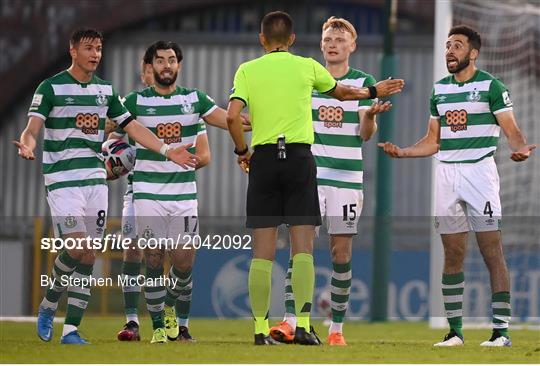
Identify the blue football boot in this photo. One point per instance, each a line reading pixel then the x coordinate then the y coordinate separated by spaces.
pixel 73 338
pixel 45 323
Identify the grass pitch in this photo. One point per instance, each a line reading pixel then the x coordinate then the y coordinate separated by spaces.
pixel 230 341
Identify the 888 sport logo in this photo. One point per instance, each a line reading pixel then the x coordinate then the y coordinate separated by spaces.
pixel 457 120
pixel 169 132
pixel 88 123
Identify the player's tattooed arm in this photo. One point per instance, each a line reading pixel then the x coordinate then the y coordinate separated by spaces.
pixel 516 140
pixel 426 146
pixel 27 142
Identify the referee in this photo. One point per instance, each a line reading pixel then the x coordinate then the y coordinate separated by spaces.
pixel 282 186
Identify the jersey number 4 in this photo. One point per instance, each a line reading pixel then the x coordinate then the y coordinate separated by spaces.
pixel 488 210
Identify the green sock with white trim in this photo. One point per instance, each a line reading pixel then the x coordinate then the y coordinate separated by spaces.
pixel 500 303
pixel 64 265
pixel 452 289
pixel 78 296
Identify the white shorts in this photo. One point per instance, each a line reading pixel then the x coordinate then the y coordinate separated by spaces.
pixel 128 218
pixel 467 197
pixel 175 220
pixel 79 210
pixel 341 209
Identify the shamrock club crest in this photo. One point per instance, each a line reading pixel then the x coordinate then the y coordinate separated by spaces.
pixel 70 222
pixel 474 96
pixel 187 108
pixel 101 99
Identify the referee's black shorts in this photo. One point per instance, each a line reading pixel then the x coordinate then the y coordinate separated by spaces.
pixel 282 191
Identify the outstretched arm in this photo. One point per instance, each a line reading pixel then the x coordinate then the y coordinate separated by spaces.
pixel 218 118
pixel 368 125
pixel 426 146
pixel 516 140
pixel 384 88
pixel 180 155
pixel 27 142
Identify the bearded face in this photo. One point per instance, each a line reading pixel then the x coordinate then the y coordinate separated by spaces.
pixel 166 77
pixel 165 67
pixel 455 65
pixel 459 53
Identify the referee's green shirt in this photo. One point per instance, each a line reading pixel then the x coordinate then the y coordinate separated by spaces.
pixel 277 89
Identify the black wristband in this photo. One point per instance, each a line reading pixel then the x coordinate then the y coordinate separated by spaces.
pixel 372 92
pixel 240 153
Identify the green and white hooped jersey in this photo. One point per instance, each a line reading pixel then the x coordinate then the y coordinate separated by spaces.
pixel 175 119
pixel 74 115
pixel 338 146
pixel 466 113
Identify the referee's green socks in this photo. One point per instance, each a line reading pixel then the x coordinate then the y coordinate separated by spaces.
pixel 303 282
pixel 260 285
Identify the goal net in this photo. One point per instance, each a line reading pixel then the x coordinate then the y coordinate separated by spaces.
pixel 510 50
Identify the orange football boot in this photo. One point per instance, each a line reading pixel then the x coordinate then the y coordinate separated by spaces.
pixel 283 332
pixel 336 339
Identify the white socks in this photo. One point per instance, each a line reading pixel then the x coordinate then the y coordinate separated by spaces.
pixel 291 319
pixel 335 328
pixel 47 304
pixel 68 328
pixel 183 322
pixel 132 317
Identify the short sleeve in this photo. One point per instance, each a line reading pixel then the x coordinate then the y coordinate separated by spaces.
pixel 130 103
pixel 433 105
pixel 499 97
pixel 366 103
pixel 42 101
pixel 239 89
pixel 118 112
pixel 201 127
pixel 324 82
pixel 206 104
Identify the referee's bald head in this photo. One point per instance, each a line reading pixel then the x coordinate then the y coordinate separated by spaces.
pixel 277 27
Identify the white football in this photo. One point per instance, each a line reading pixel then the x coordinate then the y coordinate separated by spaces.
pixel 119 158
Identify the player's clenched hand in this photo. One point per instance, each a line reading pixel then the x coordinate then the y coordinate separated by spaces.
pixel 378 107
pixel 391 149
pixel 523 153
pixel 181 156
pixel 243 161
pixel 24 151
pixel 389 86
